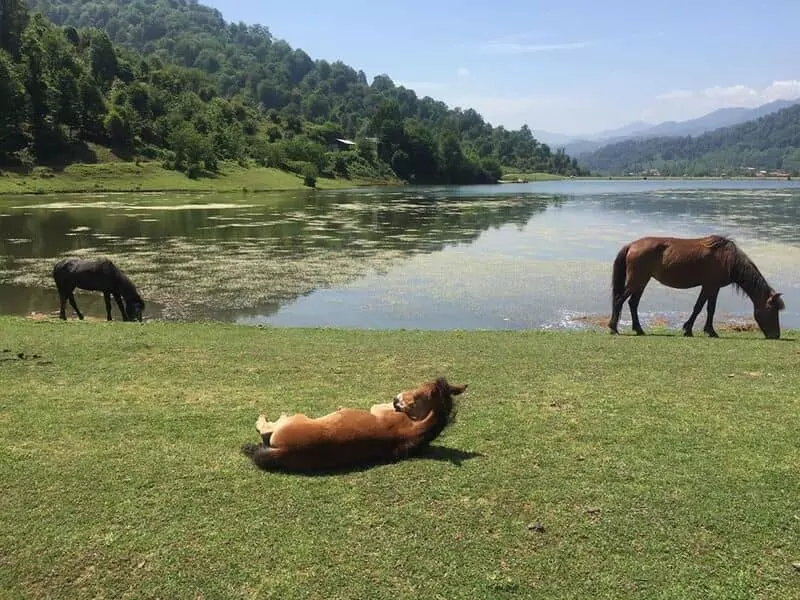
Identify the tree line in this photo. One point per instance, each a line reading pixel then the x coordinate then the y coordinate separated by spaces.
pixel 184 86
pixel 770 143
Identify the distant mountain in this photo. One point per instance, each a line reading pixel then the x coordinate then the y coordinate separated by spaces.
pixel 630 130
pixel 770 143
pixel 554 140
pixel 723 117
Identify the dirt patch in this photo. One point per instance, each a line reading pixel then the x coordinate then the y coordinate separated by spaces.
pixel 738 326
pixel 728 326
pixel 8 355
pixel 594 320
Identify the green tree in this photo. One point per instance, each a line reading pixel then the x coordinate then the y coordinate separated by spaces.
pixel 13 19
pixel 119 127
pixel 103 57
pixel 12 108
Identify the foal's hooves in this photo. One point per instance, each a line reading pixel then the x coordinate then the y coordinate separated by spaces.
pixel 639 332
pixel 687 333
pixel 262 425
pixel 712 334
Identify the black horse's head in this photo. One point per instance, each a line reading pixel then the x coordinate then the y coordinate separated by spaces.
pixel 134 307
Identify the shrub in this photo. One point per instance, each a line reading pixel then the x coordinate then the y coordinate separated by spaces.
pixel 310 176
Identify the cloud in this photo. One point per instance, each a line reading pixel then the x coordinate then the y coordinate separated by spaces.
pixel 524 44
pixel 682 102
pixel 498 47
pixel 462 72
pixel 674 95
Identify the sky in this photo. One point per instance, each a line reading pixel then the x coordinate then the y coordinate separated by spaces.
pixel 574 67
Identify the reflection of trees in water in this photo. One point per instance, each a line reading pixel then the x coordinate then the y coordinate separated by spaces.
pixel 763 214
pixel 201 262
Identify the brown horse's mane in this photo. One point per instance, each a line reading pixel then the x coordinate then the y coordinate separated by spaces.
pixel 443 415
pixel 744 274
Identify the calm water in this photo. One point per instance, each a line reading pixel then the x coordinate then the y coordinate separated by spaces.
pixel 496 257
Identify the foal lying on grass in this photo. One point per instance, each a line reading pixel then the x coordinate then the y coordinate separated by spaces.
pixel 351 437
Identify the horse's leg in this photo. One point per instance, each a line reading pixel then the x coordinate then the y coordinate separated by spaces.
pixel 107 299
pixel 698 306
pixel 74 305
pixel 265 428
pixel 616 309
pixel 712 306
pixel 633 303
pixel 123 312
pixel 62 296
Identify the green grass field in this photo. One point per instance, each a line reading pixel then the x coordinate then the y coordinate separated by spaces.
pixel 117 176
pixel 580 465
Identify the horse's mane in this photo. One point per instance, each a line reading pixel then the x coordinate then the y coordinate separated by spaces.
pixel 443 415
pixel 128 289
pixel 744 273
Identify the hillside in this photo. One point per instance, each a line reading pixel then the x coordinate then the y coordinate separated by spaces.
pixel 771 143
pixel 183 79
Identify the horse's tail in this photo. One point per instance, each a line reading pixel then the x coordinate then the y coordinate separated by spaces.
pixel 264 457
pixel 319 458
pixel 619 273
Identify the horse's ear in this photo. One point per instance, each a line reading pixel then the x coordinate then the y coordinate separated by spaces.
pixel 776 300
pixel 455 390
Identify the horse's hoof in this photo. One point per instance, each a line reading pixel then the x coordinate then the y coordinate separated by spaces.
pixel 639 331
pixel 687 333
pixel 712 334
pixel 614 332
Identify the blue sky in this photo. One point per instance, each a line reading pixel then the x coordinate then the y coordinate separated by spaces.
pixel 572 67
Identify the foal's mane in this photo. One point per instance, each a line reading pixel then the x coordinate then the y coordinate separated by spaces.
pixel 743 272
pixel 443 415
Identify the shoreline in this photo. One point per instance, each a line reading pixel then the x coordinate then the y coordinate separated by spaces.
pixel 151 177
pixel 130 177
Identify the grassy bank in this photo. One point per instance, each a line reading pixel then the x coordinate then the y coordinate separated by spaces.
pixel 513 177
pixel 152 177
pixel 580 466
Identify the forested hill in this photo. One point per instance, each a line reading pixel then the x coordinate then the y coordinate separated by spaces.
pixel 771 143
pixel 186 86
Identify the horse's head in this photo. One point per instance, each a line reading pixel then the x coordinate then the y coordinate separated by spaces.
pixel 431 396
pixel 134 308
pixel 767 315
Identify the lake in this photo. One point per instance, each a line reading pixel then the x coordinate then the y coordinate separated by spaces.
pixel 512 256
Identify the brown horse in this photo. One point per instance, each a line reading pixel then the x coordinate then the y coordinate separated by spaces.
pixel 350 437
pixel 711 262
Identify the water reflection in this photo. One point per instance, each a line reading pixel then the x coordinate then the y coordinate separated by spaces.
pixel 220 257
pixel 497 257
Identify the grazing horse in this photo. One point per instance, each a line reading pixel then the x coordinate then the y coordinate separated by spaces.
pixel 349 437
pixel 712 262
pixel 97 275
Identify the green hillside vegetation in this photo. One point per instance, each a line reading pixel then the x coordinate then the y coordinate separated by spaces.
pixel 771 143
pixel 188 89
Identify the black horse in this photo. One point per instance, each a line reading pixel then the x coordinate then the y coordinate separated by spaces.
pixel 99 275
